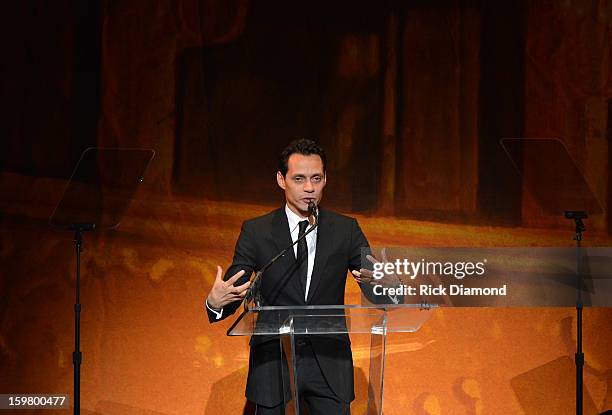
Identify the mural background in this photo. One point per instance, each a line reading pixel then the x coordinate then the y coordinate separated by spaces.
pixel 410 99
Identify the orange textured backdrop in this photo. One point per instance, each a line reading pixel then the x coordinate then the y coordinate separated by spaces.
pixel 149 349
pixel 410 100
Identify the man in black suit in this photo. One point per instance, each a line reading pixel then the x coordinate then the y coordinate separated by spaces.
pixel 314 274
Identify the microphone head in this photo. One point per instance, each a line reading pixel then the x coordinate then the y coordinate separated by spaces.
pixel 312 208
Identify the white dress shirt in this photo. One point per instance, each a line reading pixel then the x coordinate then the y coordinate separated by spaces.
pixel 311 241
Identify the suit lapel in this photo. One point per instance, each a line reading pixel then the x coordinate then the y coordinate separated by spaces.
pixel 280 232
pixel 282 239
pixel 324 245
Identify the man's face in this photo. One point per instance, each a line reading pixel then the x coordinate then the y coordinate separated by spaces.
pixel 304 182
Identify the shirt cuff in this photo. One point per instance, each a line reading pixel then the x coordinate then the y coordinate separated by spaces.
pixel 217 314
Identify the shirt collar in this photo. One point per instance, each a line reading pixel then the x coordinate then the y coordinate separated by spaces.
pixel 293 218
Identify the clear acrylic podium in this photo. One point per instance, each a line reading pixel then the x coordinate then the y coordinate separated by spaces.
pixel 289 322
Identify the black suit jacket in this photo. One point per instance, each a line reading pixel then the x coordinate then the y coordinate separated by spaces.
pixel 339 249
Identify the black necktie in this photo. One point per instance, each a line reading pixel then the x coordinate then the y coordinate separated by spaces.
pixel 302 255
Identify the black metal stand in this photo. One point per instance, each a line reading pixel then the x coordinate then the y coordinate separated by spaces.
pixel 76 355
pixel 96 197
pixel 577 216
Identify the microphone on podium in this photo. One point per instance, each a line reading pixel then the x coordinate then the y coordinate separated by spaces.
pixel 253 291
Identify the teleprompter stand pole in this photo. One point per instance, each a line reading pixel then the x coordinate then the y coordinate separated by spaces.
pixel 96 197
pixel 76 355
pixel 577 216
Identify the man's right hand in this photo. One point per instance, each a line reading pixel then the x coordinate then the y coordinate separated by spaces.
pixel 224 292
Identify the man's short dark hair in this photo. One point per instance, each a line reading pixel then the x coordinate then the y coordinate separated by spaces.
pixel 304 147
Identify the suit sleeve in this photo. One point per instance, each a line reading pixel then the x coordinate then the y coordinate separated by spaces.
pixel 360 248
pixel 245 254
